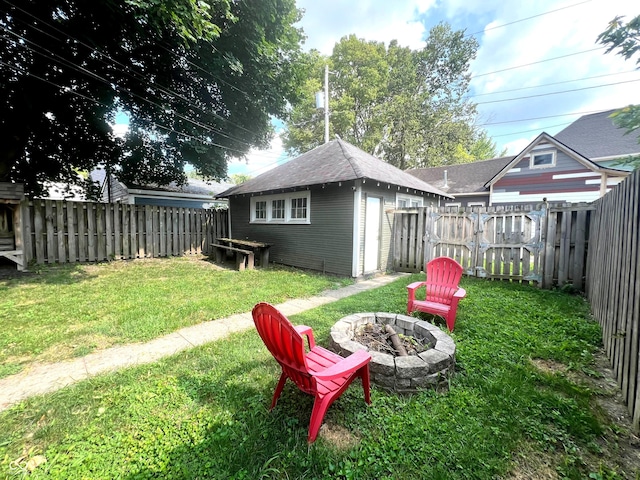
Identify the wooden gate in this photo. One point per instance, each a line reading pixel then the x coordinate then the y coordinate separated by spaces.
pixel 490 244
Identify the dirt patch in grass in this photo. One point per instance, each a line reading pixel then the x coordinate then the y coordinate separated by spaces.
pixel 619 456
pixel 531 465
pixel 337 436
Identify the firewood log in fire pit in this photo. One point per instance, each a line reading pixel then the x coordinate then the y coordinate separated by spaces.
pixel 395 340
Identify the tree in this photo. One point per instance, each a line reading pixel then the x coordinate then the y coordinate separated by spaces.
pixel 625 37
pixel 199 82
pixel 406 107
pixel 238 178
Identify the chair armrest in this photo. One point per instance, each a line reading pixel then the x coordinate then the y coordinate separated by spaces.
pixel 353 362
pixel 411 289
pixel 413 286
pixel 308 332
pixel 461 293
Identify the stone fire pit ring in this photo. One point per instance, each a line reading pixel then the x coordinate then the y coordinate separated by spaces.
pixel 429 369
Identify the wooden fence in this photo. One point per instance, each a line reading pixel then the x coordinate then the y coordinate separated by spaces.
pixel 613 283
pixel 61 232
pixel 541 244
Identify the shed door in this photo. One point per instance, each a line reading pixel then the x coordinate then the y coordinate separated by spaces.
pixel 372 234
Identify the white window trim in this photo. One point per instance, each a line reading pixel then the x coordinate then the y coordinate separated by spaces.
pixel 542 152
pixel 287 197
pixel 409 199
pixel 453 204
pixel 476 204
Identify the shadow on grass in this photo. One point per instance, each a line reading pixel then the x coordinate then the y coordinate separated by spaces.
pixel 51 275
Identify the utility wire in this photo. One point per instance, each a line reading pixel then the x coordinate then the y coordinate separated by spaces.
pixel 52 56
pixel 128 69
pixel 538 118
pixel 535 63
pixel 527 18
pixel 532 130
pixel 157 125
pixel 557 93
pixel 548 84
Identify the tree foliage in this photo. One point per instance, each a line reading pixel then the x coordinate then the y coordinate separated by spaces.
pixel 625 38
pixel 199 82
pixel 405 106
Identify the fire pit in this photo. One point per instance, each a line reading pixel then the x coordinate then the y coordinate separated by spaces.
pixel 406 374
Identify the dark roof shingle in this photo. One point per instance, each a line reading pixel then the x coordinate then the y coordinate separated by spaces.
pixel 596 136
pixel 462 178
pixel 336 161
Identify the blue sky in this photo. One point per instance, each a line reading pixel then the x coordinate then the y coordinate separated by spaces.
pixel 515 104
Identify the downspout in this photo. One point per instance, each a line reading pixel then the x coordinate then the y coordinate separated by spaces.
pixel 355 249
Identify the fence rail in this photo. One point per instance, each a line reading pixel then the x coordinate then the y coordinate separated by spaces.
pixel 542 244
pixel 69 232
pixel 613 284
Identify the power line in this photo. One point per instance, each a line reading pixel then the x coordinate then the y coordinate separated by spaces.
pixel 157 125
pixel 130 72
pixel 538 118
pixel 527 18
pixel 532 130
pixel 557 93
pixel 549 84
pixel 535 63
pixel 79 68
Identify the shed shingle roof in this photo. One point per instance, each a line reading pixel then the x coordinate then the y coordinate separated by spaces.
pixel 596 136
pixel 336 161
pixel 462 178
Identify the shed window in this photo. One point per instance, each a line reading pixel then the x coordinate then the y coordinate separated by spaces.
pixel 284 208
pixel 299 208
pixel 261 210
pixel 403 201
pixel 543 159
pixel 277 209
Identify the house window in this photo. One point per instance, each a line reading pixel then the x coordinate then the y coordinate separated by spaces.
pixel 543 159
pixel 403 201
pixel 260 210
pixel 284 208
pixel 475 204
pixel 277 209
pixel 299 208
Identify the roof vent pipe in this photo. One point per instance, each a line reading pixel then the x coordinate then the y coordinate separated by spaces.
pixel 445 185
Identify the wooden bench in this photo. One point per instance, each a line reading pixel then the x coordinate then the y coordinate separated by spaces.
pixel 244 258
pixel 14 256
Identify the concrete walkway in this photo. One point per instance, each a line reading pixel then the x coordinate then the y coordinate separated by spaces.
pixel 41 379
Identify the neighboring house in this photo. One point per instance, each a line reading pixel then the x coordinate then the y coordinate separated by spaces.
pixel 194 194
pixel 330 209
pixel 548 169
pixel 596 137
pixel 464 181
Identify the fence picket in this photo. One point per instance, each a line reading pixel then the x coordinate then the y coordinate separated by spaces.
pixel 60 231
pixel 613 283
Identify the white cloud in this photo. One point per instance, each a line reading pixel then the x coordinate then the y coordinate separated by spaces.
pixel 508 38
pixel 561 33
pixel 260 161
pixel 328 21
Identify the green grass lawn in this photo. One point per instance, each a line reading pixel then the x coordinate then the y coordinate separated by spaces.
pixel 204 413
pixel 69 311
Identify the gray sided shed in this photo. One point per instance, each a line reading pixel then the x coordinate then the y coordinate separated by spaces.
pixel 345 202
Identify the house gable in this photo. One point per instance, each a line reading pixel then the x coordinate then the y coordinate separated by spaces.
pixel 548 169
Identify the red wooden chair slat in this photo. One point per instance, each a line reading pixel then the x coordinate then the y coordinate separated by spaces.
pixel 318 371
pixel 442 290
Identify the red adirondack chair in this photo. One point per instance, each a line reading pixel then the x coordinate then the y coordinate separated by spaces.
pixel 318 371
pixel 442 290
